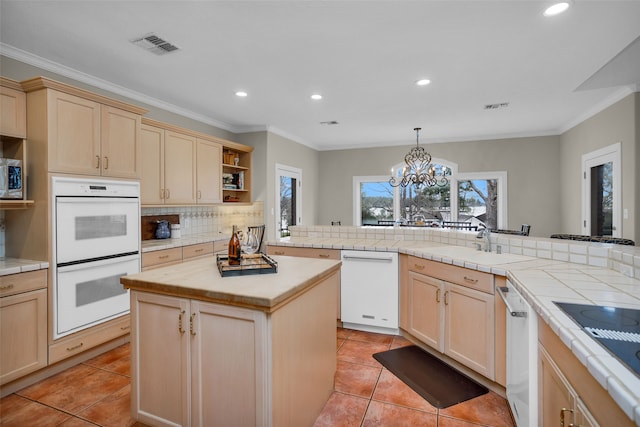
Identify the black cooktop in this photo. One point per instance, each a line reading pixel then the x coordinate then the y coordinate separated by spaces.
pixel 616 329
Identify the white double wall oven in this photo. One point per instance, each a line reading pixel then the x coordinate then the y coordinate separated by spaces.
pixel 96 240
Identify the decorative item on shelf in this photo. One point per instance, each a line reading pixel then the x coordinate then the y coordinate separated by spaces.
pixel 419 170
pixel 234 248
pixel 231 199
pixel 231 158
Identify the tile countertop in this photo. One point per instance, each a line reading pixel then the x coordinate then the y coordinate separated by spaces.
pixel 540 281
pixel 18 265
pixel 193 239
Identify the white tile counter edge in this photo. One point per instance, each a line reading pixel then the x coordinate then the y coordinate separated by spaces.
pixel 528 275
pixel 18 265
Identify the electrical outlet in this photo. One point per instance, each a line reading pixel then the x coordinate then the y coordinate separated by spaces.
pixel 625 213
pixel 187 223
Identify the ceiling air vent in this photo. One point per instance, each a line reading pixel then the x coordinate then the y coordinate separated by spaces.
pixel 496 106
pixel 329 123
pixel 155 44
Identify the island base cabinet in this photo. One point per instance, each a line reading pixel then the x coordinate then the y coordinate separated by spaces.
pixel 194 362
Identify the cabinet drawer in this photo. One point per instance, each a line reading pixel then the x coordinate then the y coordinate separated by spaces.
pixel 194 251
pixel 22 282
pixel 220 246
pixel 83 341
pixel 164 256
pixel 451 273
pixel 304 252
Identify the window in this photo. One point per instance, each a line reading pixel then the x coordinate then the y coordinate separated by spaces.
pixel 479 198
pixel 601 176
pixel 482 199
pixel 288 198
pixel 374 201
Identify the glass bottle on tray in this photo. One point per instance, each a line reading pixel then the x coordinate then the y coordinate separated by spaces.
pixel 234 248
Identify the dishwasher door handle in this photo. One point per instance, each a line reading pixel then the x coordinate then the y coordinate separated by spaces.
pixel 502 290
pixel 364 258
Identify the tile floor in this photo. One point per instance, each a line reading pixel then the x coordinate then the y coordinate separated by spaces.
pixel 97 393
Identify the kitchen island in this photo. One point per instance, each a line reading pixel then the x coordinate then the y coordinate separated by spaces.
pixel 255 350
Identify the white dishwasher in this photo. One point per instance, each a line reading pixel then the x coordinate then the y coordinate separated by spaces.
pixel 369 291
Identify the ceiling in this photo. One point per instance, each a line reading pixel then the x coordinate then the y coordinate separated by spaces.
pixel 364 57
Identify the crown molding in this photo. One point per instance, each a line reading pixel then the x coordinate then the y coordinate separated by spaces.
pixel 616 96
pixel 63 70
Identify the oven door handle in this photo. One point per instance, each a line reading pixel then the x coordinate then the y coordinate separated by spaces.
pixel 502 290
pixel 98 263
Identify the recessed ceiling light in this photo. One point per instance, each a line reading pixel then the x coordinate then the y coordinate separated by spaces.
pixel 556 8
pixel 241 93
pixel 423 82
pixel 316 96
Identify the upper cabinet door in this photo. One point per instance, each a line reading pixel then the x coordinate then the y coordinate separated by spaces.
pixel 209 172
pixel 179 168
pixel 152 169
pixel 120 138
pixel 74 134
pixel 13 112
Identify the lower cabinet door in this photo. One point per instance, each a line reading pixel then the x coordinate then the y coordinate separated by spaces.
pixel 425 310
pixel 160 359
pixel 228 359
pixel 469 332
pixel 23 334
pixel 555 399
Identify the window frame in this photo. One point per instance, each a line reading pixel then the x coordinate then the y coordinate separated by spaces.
pixel 501 177
pixel 454 179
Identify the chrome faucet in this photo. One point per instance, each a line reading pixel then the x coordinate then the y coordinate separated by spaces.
pixel 485 233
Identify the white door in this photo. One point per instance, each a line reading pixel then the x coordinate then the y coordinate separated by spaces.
pixel 601 186
pixel 288 204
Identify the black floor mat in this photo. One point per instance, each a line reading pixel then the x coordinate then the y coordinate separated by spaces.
pixel 440 384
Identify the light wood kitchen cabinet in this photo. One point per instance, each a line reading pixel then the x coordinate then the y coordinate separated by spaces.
pixel 183 349
pixel 180 167
pixel 23 324
pixel 567 389
pixel 152 173
pixel 13 109
pixel 197 250
pixel 208 172
pixel 161 258
pixel 169 167
pixel 309 253
pixel 303 252
pixel 81 132
pixel 559 403
pixel 457 320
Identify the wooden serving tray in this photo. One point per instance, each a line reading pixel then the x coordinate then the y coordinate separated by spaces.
pixel 249 264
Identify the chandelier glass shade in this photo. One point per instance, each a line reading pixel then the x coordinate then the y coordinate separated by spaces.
pixel 418 169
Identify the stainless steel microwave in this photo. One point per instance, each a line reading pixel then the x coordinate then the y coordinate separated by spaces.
pixel 11 178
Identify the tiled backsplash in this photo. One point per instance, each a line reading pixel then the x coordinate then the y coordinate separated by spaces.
pixel 212 219
pixel 624 259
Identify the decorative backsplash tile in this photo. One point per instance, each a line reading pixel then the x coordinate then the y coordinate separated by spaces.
pixel 212 219
pixel 621 258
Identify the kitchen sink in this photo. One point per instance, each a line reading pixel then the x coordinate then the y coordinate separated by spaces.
pixel 616 329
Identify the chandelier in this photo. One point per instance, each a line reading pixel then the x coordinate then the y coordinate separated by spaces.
pixel 418 169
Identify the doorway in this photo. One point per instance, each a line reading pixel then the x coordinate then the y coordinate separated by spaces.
pixel 601 178
pixel 288 204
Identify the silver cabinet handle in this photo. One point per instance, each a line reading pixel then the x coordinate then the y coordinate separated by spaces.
pixel 97 162
pixel 180 328
pixel 191 330
pixel 106 163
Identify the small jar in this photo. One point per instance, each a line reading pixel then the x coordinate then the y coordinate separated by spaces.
pixel 175 231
